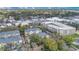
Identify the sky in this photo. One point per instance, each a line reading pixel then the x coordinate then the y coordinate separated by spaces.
pixel 39 3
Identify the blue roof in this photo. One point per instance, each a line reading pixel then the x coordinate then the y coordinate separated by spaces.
pixel 9 32
pixel 10 39
pixel 32 29
pixel 42 34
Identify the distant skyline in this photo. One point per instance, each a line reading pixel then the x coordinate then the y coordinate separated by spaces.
pixel 57 8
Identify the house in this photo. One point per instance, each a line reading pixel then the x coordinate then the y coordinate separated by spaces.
pixel 43 34
pixel 33 31
pixel 27 22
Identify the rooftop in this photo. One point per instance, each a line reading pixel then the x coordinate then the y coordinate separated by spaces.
pixel 58 25
pixel 10 39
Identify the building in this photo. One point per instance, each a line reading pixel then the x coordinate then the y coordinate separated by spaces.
pixel 43 34
pixel 33 31
pixel 76 20
pixel 55 19
pixel 27 22
pixel 60 28
pixel 76 42
pixel 10 36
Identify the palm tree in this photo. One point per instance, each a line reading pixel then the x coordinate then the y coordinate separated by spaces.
pixel 22 30
pixel 25 39
pixel 22 34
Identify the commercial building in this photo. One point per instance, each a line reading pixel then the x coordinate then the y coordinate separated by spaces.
pixel 60 28
pixel 55 19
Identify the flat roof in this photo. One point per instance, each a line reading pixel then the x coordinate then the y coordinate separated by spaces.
pixel 55 18
pixel 58 25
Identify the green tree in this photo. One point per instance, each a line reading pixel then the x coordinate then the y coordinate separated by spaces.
pixel 60 44
pixel 2 48
pixel 21 30
pixel 50 44
pixel 36 39
pixel 22 34
pixel 68 39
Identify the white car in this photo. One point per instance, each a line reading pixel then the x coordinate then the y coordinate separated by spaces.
pixel 2 26
pixel 9 24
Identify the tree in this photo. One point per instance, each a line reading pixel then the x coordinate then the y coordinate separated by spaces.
pixel 60 44
pixel 50 44
pixel 21 30
pixel 36 39
pixel 17 17
pixel 2 47
pixel 22 34
pixel 68 39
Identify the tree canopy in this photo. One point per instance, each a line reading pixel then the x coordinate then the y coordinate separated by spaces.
pixel 50 44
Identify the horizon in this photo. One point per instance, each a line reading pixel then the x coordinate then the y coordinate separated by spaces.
pixel 57 8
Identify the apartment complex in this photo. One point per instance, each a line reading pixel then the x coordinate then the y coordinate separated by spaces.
pixel 60 28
